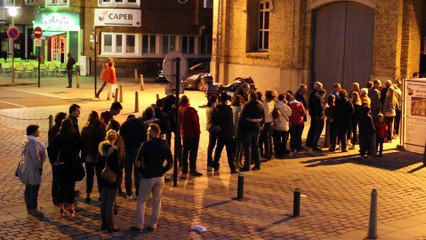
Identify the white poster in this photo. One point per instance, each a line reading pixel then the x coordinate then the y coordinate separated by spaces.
pixel 118 17
pixel 415 114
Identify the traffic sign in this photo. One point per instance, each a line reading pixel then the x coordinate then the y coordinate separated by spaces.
pixel 169 66
pixel 37 42
pixel 38 32
pixel 13 33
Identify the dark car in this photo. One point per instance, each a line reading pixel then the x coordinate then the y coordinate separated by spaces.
pixel 231 88
pixel 197 81
pixel 161 77
pixel 195 76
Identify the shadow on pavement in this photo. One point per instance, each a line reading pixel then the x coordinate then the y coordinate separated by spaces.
pixel 391 160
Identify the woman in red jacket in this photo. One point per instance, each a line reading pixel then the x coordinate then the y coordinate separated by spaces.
pixel 381 132
pixel 296 122
pixel 109 76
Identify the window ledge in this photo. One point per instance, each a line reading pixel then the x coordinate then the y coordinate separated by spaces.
pixel 258 55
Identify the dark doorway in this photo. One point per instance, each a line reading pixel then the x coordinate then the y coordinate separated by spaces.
pixel 343 44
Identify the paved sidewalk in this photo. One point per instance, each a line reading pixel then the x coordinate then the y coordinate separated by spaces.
pixel 335 188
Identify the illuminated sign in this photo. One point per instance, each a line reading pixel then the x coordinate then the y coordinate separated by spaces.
pixel 118 17
pixel 54 21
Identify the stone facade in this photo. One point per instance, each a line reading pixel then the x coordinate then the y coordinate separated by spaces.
pixel 288 61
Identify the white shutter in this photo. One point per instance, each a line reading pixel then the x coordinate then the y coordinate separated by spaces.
pixel 208 4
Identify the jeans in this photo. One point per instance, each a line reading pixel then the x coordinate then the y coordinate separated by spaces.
pixel 90 176
pixel 265 141
pixel 69 73
pixel 100 89
pixel 108 196
pixel 280 143
pixel 212 143
pixel 296 137
pixel 129 169
pixel 190 147
pixel 30 196
pixel 389 122
pixel 310 137
pixel 148 186
pixel 396 125
pixel 379 143
pixel 251 149
pixel 230 150
pixel 318 127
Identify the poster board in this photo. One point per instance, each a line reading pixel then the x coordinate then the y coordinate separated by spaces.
pixel 414 115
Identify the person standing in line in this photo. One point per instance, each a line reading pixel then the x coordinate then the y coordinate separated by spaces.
pixel 281 127
pixel 151 158
pixel 330 129
pixel 223 124
pixel 268 126
pixel 343 111
pixel 250 122
pixel 108 153
pixel 34 155
pixel 236 103
pixel 389 111
pixel 59 117
pixel 211 104
pixel 374 95
pixel 74 113
pixel 383 92
pixel 363 95
pixel 70 65
pixel 313 111
pixel 381 133
pixel 356 102
pixel 318 116
pixel 114 110
pixel 133 131
pixel 300 96
pixel 67 145
pixel 92 134
pixel 119 143
pixel 366 132
pixel 189 125
pixel 296 123
pixel 398 94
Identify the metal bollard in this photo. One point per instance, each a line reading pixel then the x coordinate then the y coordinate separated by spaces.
pixel 121 92
pixel 372 224
pixel 136 75
pixel 142 83
pixel 116 95
pixel 296 202
pixel 78 80
pixel 136 101
pixel 240 190
pixel 50 121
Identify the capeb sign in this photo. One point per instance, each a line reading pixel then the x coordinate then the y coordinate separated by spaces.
pixel 118 17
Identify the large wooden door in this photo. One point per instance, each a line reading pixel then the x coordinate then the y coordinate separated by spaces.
pixel 343 44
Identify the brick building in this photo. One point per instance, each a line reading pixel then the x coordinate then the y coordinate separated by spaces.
pixel 137 34
pixel 281 43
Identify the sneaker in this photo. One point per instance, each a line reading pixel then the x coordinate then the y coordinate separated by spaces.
pixel 209 168
pixel 135 229
pixel 114 229
pixel 69 86
pixel 255 168
pixel 148 229
pixel 131 197
pixel 196 174
pixel 87 200
pixel 36 212
pixel 244 169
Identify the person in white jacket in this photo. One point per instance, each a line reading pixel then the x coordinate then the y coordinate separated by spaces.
pixel 281 126
pixel 34 155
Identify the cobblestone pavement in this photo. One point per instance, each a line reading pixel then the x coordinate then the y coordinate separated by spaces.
pixel 335 188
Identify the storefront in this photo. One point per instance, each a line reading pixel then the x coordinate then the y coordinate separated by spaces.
pixel 61 34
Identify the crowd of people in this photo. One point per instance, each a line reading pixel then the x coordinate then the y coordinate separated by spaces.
pixel 248 125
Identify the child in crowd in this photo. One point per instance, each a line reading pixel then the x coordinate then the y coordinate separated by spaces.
pixel 381 132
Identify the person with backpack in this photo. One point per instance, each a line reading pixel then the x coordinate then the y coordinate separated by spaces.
pixel 281 115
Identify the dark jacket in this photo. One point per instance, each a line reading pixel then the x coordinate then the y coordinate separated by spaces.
pixel 222 121
pixel 312 95
pixel 189 122
pixel 133 132
pixel 316 109
pixel 366 125
pixel 91 136
pixel 343 113
pixel 65 149
pixel 70 63
pixel 152 155
pixel 109 154
pixel 254 110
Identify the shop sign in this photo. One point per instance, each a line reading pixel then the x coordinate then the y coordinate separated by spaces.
pixel 118 17
pixel 55 21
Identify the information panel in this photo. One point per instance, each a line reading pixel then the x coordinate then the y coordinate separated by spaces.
pixel 415 115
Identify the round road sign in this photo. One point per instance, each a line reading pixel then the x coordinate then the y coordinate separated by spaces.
pixel 38 32
pixel 169 66
pixel 13 33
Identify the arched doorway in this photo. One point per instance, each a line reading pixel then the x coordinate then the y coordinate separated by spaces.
pixel 343 44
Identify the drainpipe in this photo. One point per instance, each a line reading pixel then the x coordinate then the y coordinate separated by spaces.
pixel 218 40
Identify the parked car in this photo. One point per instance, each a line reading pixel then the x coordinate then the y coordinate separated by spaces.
pixel 195 74
pixel 231 88
pixel 161 77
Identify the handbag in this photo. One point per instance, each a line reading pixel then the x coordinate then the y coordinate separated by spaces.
pixel 107 174
pixel 78 172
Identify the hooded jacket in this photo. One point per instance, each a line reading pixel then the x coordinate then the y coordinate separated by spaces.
pixel 108 154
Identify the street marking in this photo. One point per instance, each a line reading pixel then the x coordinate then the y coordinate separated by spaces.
pixel 13 104
pixel 44 94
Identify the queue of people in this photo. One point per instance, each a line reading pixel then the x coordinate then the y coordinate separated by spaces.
pixel 138 151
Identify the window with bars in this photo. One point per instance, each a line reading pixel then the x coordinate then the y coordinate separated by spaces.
pixel 263 34
pixel 120 44
pixel 168 43
pixel 57 2
pixel 188 45
pixel 149 44
pixel 127 3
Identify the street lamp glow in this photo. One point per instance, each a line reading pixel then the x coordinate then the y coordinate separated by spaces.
pixel 13 11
